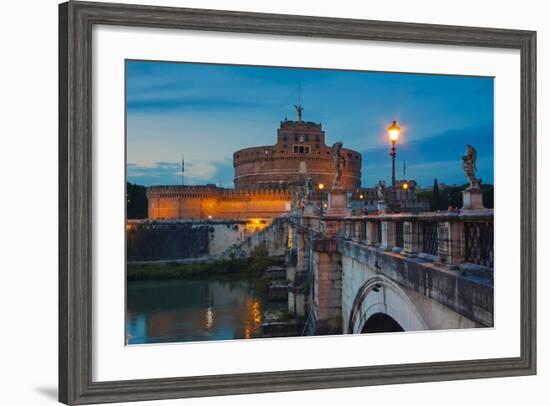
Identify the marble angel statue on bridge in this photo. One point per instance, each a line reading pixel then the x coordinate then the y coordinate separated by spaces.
pixel 469 166
pixel 381 190
pixel 309 189
pixel 338 163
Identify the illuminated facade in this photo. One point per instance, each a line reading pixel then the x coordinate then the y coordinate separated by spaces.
pixel 211 202
pixel 266 178
pixel 300 152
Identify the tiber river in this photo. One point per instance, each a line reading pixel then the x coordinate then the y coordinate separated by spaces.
pixel 217 308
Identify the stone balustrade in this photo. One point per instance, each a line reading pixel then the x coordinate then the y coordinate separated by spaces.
pixel 448 238
pixel 425 257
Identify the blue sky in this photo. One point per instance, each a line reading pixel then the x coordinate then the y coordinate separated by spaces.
pixel 208 111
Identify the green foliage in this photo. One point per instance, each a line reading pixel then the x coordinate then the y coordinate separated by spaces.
pixel 451 196
pixel 258 265
pixel 174 270
pixel 284 315
pixel 136 201
pixel 260 251
pixel 435 198
pixel 488 196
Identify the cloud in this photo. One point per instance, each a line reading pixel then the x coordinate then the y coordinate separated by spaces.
pixel 169 173
pixel 209 111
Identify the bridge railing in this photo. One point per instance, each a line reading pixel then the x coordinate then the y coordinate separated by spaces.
pixel 451 238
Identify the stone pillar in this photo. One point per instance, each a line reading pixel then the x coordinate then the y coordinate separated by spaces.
pixel 302 251
pixel 333 227
pixel 346 230
pixel 412 238
pixel 337 203
pixel 450 240
pixel 297 295
pixel 472 198
pixel 388 235
pixel 362 224
pixel 308 209
pixel 299 276
pixel 327 268
pixel 352 230
pixel 357 228
pixel 372 232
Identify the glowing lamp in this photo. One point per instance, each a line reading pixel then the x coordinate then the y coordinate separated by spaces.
pixel 321 186
pixel 405 186
pixel 393 131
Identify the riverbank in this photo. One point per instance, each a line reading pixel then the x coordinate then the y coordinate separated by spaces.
pixel 252 265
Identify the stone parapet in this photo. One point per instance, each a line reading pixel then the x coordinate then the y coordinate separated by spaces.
pixel 452 238
pixel 465 293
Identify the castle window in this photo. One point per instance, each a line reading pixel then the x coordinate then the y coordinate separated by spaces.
pixel 307 137
pixel 302 149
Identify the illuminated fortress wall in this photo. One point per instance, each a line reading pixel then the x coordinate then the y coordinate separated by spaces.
pixel 200 202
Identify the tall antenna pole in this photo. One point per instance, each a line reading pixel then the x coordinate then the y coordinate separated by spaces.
pixel 404 176
pixel 182 168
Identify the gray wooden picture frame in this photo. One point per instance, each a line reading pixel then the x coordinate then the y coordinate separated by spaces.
pixel 76 20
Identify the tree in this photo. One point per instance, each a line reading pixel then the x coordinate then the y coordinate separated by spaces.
pixel 451 196
pixel 136 201
pixel 435 200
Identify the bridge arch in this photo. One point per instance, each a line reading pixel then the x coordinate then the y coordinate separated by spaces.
pixel 380 323
pixel 382 300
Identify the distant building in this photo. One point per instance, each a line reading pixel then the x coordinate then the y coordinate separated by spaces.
pixel 212 202
pixel 267 177
pixel 403 197
pixel 300 152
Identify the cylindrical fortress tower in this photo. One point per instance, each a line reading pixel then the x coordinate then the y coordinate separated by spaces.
pixel 300 152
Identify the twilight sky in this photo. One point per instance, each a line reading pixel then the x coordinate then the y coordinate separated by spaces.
pixel 207 112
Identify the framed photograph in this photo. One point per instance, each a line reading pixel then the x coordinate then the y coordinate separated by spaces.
pixel 259 202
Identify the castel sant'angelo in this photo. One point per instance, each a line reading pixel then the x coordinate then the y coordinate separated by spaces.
pixel 266 178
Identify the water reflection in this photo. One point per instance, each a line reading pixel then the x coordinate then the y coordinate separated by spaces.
pixel 198 310
pixel 209 318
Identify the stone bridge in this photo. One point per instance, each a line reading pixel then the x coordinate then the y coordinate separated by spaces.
pixel 390 272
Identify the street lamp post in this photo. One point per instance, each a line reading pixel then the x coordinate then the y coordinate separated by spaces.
pixel 393 132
